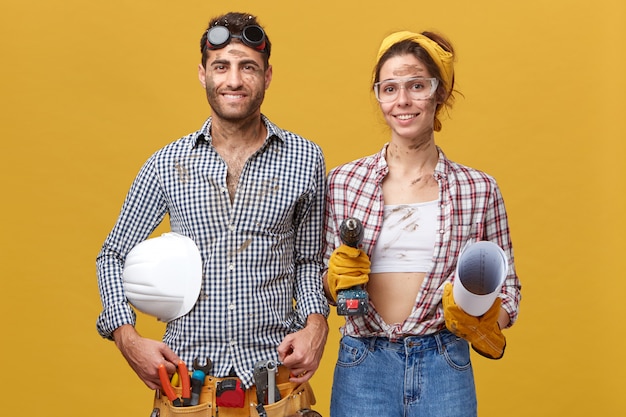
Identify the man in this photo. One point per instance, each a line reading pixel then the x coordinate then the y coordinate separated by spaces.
pixel 251 196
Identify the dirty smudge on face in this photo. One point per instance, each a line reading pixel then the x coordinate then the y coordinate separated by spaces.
pixel 407 69
pixel 237 53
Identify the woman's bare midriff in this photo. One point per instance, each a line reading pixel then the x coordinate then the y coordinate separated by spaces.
pixel 394 294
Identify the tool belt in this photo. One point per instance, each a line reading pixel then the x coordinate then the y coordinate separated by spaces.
pixel 295 399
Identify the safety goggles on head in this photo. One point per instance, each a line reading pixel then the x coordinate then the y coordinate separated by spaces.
pixel 253 36
pixel 418 88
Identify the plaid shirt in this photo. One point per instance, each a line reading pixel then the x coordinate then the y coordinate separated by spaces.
pixel 259 253
pixel 470 209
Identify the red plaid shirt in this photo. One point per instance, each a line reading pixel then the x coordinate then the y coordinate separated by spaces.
pixel 471 209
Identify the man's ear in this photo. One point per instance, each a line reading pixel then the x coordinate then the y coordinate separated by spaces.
pixel 268 77
pixel 202 75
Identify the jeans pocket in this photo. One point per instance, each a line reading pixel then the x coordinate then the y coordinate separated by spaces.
pixel 457 354
pixel 352 351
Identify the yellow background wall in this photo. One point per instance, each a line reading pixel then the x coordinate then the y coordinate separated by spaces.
pixel 89 90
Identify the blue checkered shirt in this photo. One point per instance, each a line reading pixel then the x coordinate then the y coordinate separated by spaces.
pixel 262 254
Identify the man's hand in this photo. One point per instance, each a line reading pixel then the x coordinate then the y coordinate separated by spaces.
pixel 145 355
pixel 302 351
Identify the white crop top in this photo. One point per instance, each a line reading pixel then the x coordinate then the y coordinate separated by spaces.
pixel 407 239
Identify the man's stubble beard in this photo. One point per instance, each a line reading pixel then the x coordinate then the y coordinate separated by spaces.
pixel 217 109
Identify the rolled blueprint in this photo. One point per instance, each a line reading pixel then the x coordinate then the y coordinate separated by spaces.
pixel 480 273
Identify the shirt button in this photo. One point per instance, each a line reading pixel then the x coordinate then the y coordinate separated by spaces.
pixel 231 227
pixel 231 306
pixel 231 267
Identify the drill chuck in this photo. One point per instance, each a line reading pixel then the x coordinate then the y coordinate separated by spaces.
pixel 351 232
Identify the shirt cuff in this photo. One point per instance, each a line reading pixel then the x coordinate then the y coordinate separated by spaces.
pixel 113 317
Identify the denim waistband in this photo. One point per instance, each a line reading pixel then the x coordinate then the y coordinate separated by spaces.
pixel 412 343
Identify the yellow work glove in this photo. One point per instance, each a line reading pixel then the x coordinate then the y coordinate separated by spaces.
pixel 482 332
pixel 347 267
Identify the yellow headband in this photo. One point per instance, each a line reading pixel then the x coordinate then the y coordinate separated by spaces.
pixel 442 58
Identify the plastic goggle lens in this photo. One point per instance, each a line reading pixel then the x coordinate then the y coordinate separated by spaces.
pixel 252 36
pixel 418 88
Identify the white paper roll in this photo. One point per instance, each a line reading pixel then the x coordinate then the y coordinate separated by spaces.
pixel 480 273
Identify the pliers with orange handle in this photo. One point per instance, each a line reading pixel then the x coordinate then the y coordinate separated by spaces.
pixel 185 382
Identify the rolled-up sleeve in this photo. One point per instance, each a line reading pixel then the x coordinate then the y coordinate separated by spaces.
pixel 497 230
pixel 309 293
pixel 143 209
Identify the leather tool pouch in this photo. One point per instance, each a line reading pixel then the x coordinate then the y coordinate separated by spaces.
pixel 294 397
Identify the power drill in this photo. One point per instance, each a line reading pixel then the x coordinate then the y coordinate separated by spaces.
pixel 352 301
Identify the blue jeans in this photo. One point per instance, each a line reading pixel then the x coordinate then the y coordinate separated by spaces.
pixel 426 376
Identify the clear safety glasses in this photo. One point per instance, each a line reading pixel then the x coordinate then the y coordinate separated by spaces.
pixel 252 36
pixel 418 88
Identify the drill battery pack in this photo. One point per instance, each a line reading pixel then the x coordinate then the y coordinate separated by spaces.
pixel 352 302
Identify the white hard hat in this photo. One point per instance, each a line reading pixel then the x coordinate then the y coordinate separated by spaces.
pixel 162 276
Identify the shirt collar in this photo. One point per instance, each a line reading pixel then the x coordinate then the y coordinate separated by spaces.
pixel 443 165
pixel 204 134
pixel 380 163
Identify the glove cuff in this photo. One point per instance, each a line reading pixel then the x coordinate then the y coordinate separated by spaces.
pixel 494 354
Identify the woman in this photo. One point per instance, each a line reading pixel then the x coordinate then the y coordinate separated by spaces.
pixel 418 210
